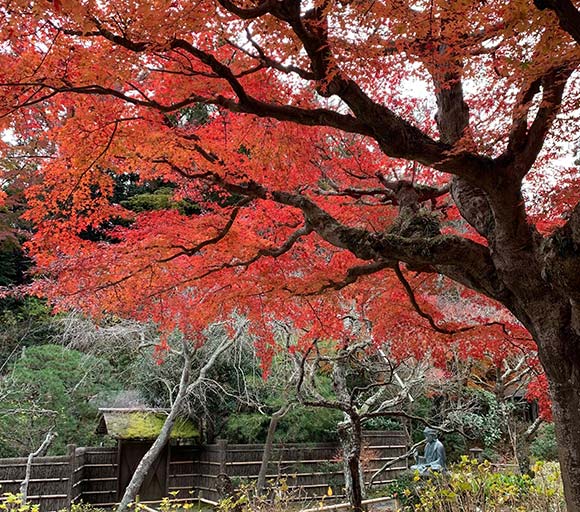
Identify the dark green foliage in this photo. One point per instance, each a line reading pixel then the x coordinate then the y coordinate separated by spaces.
pixel 14 231
pixel 130 185
pixel 197 114
pixel 300 425
pixel 160 199
pixel 247 427
pixel 544 446
pixel 51 388
pixel 23 323
pixel 13 263
pixel 383 423
pixel 306 424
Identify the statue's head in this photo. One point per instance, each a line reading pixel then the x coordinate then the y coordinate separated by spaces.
pixel 430 434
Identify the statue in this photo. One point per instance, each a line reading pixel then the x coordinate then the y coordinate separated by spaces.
pixel 434 458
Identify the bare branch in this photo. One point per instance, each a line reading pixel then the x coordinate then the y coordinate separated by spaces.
pixel 50 436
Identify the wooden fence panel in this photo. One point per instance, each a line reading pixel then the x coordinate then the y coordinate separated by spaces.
pixel 312 468
pixel 91 474
pixel 77 471
pixel 183 469
pixel 99 476
pixel 49 480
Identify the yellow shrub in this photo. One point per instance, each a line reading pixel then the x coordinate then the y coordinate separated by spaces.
pixel 472 485
pixel 10 501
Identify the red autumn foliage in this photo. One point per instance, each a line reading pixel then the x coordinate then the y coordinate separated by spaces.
pixel 306 137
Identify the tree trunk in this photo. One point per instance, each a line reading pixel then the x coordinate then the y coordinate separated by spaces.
pixel 260 486
pixel 522 454
pixel 153 453
pixel 558 350
pixel 185 389
pixel 522 447
pixel 350 432
pixel 566 409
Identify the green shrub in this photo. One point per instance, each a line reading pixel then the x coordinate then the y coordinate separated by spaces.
pixel 383 423
pixel 50 387
pixel 300 425
pixel 544 446
pixel 404 489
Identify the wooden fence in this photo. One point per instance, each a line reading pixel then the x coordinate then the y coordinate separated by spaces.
pixel 91 474
pixel 50 479
pixel 310 468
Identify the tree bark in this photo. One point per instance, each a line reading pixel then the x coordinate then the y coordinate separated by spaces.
pixel 350 432
pixel 566 410
pixel 268 445
pixel 153 453
pixel 522 452
pixel 522 447
pixel 568 15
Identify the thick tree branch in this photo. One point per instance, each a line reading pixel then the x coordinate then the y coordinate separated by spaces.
pixel 568 15
pixel 525 144
pixel 453 121
pixel 519 126
pixel 460 259
pixel 396 136
pixel 352 276
pixel 249 12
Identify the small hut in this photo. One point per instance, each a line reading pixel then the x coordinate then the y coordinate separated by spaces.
pixel 135 430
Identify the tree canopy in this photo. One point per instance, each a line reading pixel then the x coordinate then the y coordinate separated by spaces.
pixel 338 156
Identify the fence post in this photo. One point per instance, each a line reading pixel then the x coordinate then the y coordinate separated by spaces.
pixel 222 445
pixel 71 451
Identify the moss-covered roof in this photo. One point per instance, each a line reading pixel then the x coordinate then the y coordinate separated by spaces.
pixel 142 424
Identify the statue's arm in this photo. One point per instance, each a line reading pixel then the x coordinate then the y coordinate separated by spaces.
pixel 419 459
pixel 440 457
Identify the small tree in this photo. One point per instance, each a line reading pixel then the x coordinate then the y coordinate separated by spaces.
pixel 366 384
pixel 41 388
pixel 191 379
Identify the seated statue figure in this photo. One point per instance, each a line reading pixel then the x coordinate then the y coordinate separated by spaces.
pixel 434 458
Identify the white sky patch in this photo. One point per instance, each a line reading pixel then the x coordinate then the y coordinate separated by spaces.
pixel 415 88
pixel 8 136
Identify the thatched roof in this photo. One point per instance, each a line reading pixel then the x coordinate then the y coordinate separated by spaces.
pixel 141 423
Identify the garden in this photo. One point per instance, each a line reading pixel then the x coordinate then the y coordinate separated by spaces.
pixel 262 250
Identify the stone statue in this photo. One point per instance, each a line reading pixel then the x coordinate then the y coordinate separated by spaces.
pixel 434 458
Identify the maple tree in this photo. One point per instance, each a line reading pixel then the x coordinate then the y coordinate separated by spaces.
pixel 337 152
